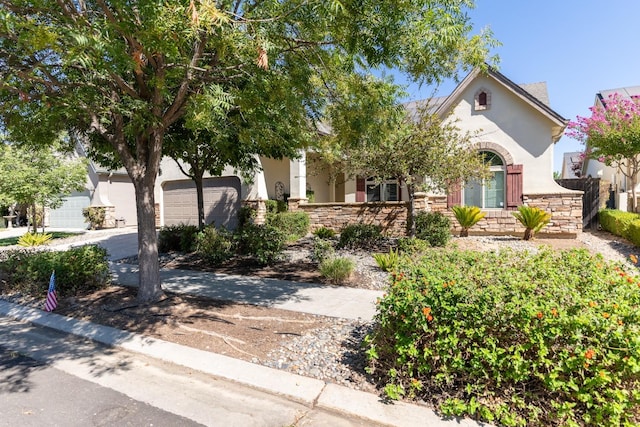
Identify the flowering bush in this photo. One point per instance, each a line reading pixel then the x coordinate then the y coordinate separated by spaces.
pixel 551 338
pixel 612 135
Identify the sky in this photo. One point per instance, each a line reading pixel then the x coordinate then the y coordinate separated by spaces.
pixel 577 47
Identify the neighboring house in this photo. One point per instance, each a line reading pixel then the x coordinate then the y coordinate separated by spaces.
pixel 612 174
pixel 518 133
pixel 572 165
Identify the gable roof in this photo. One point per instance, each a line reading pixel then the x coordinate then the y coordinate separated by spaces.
pixel 534 94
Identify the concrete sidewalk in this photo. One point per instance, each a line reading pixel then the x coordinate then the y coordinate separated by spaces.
pixel 335 301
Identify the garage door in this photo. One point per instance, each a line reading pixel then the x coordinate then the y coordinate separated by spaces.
pixel 69 215
pixel 221 201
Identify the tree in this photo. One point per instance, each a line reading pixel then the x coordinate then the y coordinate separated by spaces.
pixel 612 136
pixel 122 73
pixel 239 135
pixel 410 145
pixel 40 176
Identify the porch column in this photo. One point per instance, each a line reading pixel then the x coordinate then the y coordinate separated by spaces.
pixel 298 180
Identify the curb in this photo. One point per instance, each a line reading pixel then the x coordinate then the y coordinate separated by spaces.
pixel 308 391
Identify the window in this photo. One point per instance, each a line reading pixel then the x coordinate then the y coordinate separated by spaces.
pixel 488 193
pixel 482 100
pixel 386 191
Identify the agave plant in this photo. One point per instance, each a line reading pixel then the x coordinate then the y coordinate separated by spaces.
pixel 467 217
pixel 534 219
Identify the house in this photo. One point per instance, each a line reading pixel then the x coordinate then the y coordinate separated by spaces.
pixel 572 165
pixel 613 174
pixel 519 130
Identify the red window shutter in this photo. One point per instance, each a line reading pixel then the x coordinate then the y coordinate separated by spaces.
pixel 454 195
pixel 360 190
pixel 514 186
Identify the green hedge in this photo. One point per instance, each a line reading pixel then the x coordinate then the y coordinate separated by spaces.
pixel 78 270
pixel 512 338
pixel 623 224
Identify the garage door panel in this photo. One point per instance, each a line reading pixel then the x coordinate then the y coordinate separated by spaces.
pixel 221 201
pixel 69 215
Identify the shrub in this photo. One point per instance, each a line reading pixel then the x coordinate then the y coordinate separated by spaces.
pixel 513 338
pixel 34 239
pixel 412 245
pixel 388 261
pixel 275 206
pixel 322 250
pixel 181 238
pixel 360 236
pixel 294 225
pixel 246 214
pixel 95 216
pixel 433 227
pixel 337 270
pixel 620 223
pixel 214 245
pixel 78 270
pixel 263 242
pixel 533 219
pixel 324 233
pixel 467 217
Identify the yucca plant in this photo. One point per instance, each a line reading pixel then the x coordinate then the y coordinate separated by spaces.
pixel 34 239
pixel 467 217
pixel 534 219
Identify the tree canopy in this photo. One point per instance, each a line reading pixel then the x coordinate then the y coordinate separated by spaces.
pixel 612 135
pixel 123 72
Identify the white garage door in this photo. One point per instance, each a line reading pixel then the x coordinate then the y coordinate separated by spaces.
pixel 221 202
pixel 69 215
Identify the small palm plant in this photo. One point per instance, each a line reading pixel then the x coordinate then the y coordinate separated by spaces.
pixel 534 219
pixel 467 217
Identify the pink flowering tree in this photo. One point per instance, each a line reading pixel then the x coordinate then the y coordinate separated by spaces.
pixel 612 135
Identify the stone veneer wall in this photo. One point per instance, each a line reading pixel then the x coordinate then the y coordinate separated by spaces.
pixel 392 216
pixel 566 216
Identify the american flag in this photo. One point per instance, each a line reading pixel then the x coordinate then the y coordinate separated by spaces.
pixel 52 300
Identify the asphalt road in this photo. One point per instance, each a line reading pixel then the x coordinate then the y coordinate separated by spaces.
pixel 35 393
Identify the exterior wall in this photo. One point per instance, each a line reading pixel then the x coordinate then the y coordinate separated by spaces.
pixel 566 216
pixel 274 171
pixel 392 216
pixel 514 125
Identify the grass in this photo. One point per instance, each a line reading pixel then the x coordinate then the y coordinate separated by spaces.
pixel 10 241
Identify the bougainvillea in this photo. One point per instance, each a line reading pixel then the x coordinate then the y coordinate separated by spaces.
pixel 612 135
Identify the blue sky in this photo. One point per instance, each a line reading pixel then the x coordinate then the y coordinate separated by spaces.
pixel 577 47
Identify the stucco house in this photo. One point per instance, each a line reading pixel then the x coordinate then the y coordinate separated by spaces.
pixel 613 174
pixel 519 130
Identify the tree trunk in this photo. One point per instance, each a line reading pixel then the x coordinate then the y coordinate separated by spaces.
pixel 528 234
pixel 150 289
pixel 34 218
pixel 411 189
pixel 197 178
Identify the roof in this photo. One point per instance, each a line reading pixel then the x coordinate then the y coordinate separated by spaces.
pixel 625 92
pixel 521 91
